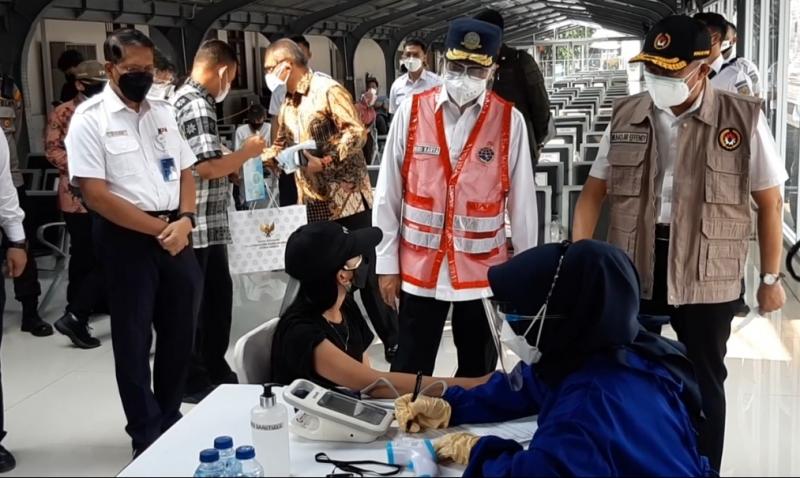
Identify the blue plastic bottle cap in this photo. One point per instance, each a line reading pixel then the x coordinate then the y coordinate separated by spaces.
pixel 223 443
pixel 209 456
pixel 245 453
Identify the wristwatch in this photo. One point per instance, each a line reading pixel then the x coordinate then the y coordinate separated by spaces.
pixel 771 279
pixel 18 245
pixel 189 215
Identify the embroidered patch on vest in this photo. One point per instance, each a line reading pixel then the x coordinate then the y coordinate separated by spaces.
pixel 486 154
pixel 635 138
pixel 429 150
pixel 730 139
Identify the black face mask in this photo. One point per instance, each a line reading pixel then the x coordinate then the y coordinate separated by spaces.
pixel 256 126
pixel 91 89
pixel 134 86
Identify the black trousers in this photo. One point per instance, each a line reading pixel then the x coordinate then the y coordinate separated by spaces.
pixel 2 313
pixel 704 329
pixel 287 188
pixel 422 322
pixel 26 287
pixel 86 291
pixel 148 290
pixel 213 331
pixel 383 318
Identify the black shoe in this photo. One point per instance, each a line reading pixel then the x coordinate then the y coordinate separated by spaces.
pixel 197 397
pixel 390 353
pixel 77 331
pixel 36 326
pixel 7 461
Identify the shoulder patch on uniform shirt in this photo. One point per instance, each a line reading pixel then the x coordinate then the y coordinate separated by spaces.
pixel 429 150
pixel 114 134
pixel 743 88
pixel 730 139
pixel 636 138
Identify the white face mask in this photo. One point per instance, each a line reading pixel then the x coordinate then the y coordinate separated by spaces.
pixel 464 89
pixel 727 53
pixel 412 64
pixel 668 92
pixel 161 91
pixel 224 86
pixel 273 79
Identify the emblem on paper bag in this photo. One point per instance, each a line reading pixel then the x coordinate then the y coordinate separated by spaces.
pixel 730 139
pixel 267 229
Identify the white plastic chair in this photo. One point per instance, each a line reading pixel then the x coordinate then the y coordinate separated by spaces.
pixel 252 360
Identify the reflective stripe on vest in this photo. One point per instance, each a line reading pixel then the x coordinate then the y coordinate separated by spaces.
pixel 479 224
pixel 421 239
pixel 423 217
pixel 479 246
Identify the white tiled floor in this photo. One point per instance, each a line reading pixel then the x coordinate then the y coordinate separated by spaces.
pixel 64 417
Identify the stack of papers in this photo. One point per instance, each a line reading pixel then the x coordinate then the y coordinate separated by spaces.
pixel 289 158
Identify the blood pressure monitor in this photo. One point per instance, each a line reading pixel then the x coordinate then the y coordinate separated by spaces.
pixel 326 415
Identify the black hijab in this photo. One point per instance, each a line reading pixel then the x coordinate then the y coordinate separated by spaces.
pixel 597 296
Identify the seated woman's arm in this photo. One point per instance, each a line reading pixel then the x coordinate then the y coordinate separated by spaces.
pixel 495 401
pixel 338 367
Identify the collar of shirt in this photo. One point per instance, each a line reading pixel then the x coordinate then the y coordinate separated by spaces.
pixel 304 85
pixel 115 104
pixel 423 77
pixel 716 65
pixel 445 98
pixel 202 90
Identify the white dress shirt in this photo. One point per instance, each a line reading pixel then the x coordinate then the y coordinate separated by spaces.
pixel 109 141
pixel 404 88
pixel 11 215
pixel 766 165
pixel 387 210
pixel 244 131
pixel 733 79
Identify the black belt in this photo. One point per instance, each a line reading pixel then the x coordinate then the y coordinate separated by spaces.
pixel 168 216
pixel 662 232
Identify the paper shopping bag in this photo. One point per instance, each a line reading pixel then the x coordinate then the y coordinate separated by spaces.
pixel 259 237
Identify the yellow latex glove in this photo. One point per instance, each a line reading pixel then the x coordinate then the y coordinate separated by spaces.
pixel 455 447
pixel 423 414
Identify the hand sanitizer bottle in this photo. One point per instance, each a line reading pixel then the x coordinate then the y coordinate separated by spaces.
pixel 269 422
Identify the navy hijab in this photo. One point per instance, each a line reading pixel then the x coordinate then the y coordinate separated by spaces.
pixel 597 298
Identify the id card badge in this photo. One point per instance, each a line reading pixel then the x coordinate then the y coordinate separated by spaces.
pixel 168 170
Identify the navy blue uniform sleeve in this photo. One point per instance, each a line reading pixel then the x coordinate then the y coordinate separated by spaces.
pixel 495 401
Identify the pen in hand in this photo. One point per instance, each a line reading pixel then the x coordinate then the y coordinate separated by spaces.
pixel 417 388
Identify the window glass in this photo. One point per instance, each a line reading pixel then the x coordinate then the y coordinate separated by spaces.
pixel 793 114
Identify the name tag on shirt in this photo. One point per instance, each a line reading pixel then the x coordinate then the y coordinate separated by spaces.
pixel 116 134
pixel 429 150
pixel 635 138
pixel 168 170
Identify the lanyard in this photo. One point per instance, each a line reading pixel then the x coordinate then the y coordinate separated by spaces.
pixel 350 466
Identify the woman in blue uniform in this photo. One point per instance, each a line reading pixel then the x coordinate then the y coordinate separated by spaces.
pixel 612 398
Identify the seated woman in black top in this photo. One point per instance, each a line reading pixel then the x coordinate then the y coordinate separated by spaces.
pixel 323 337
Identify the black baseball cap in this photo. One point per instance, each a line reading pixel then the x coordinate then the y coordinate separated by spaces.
pixel 674 43
pixel 320 249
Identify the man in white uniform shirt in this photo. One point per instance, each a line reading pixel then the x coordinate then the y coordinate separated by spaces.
pixel 723 78
pixel 417 77
pixel 133 168
pixel 441 204
pixel 16 257
pixel 677 168
pixel 739 62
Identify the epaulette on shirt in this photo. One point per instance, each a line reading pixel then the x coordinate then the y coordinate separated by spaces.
pixel 89 103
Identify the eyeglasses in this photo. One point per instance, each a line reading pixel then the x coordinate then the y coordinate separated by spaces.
pixel 353 264
pixel 474 72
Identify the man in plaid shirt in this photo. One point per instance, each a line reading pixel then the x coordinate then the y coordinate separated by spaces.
pixel 213 72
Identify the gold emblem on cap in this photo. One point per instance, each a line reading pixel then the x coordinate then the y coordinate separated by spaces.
pixel 662 41
pixel 472 41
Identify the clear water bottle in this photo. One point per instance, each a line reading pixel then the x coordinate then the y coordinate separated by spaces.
pixel 248 466
pixel 210 466
pixel 227 454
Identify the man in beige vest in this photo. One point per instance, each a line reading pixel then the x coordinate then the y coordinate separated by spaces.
pixel 677 166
